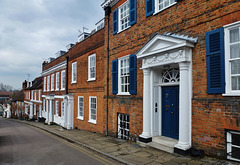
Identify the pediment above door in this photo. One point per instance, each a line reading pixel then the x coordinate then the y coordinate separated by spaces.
pixel 165 49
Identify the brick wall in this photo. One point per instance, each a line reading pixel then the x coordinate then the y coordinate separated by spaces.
pixel 212 114
pixel 91 45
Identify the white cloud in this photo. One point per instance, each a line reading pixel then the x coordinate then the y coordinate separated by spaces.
pixel 34 30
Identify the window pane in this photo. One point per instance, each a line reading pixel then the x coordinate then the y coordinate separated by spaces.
pixel 235 51
pixel 235 83
pixel 234 35
pixel 235 67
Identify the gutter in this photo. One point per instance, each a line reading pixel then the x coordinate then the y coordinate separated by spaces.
pixel 66 83
pixel 107 13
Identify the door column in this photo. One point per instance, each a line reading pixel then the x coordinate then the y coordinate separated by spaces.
pixel 70 111
pixel 65 111
pixel 184 108
pixel 47 111
pixel 50 112
pixel 31 111
pixel 146 135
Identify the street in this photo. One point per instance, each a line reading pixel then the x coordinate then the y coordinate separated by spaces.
pixel 23 144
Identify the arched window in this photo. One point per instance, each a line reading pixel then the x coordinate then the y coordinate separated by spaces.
pixel 171 76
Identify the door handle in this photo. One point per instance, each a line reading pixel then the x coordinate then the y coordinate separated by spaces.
pixel 171 112
pixel 166 109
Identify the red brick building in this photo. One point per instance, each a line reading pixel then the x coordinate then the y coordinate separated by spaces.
pixel 18 107
pixel 174 75
pixel 33 99
pixel 86 74
pixel 57 103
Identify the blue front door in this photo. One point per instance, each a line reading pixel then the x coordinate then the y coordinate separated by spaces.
pixel 170 112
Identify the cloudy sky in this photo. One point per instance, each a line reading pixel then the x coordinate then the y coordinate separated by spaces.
pixel 34 30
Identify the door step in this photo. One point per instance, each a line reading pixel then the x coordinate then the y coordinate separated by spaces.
pixel 163 143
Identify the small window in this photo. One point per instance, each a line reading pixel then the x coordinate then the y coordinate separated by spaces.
pixel 124 17
pixel 163 4
pixel 62 109
pixel 63 80
pixel 45 83
pixel 93 109
pixel 57 81
pixel 56 108
pixel 35 95
pixel 123 126
pixel 52 82
pixel 92 67
pixel 48 83
pixel 80 107
pixel 233 145
pixel 232 58
pixel 74 72
pixel 39 95
pixel 124 75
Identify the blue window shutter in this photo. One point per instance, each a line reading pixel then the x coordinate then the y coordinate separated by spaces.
pixel 149 7
pixel 115 21
pixel 215 61
pixel 115 76
pixel 133 74
pixel 133 12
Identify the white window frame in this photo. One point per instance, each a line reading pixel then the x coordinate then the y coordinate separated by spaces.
pixel 119 76
pixel 119 17
pixel 228 87
pixel 57 81
pixel 63 79
pixel 230 145
pixel 35 109
pixel 39 95
pixel 56 108
pixel 93 56
pixel 48 83
pixel 62 109
pixel 90 112
pixel 74 67
pixel 52 82
pixel 157 10
pixel 80 117
pixel 32 95
pixel 35 95
pixel 44 104
pixel 45 83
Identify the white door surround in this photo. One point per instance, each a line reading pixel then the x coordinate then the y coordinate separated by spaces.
pixel 163 51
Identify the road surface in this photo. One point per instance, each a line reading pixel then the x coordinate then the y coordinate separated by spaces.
pixel 23 144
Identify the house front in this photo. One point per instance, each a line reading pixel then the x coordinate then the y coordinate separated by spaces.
pixel 57 102
pixel 174 74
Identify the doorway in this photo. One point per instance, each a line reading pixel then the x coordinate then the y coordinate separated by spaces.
pixel 170 112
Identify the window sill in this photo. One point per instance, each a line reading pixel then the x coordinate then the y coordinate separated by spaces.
pixel 156 12
pixel 123 94
pixel 231 94
pixel 123 30
pixel 92 121
pixel 56 89
pixel 74 82
pixel 91 79
pixel 80 118
pixel 62 89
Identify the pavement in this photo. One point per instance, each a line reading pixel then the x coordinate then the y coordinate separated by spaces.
pixel 124 151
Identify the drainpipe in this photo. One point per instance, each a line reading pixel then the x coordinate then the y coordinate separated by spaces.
pixel 107 13
pixel 66 83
